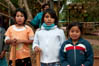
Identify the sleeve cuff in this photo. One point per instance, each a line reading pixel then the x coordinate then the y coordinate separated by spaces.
pixel 34 45
pixel 6 38
pixel 31 38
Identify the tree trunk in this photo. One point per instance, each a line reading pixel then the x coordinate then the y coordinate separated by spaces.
pixel 41 3
pixel 28 10
pixel 44 1
pixel 5 15
pixel 10 4
pixel 51 4
pixel 58 7
pixel 20 3
pixel 3 5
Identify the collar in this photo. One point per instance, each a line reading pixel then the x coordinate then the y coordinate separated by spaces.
pixel 18 29
pixel 79 41
pixel 42 28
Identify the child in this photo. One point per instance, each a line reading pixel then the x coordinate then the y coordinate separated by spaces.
pixel 3 47
pixel 76 51
pixel 21 36
pixel 48 39
pixel 36 22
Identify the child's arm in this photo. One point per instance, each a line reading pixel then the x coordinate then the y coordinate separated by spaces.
pixel 35 45
pixel 5 47
pixel 9 41
pixel 89 55
pixel 24 41
pixel 62 56
pixel 62 38
pixel 35 22
pixel 2 54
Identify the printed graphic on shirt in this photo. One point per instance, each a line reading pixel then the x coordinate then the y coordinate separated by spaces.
pixel 77 47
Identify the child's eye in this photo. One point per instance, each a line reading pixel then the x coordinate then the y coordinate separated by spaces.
pixel 22 16
pixel 17 15
pixel 72 31
pixel 47 16
pixel 77 31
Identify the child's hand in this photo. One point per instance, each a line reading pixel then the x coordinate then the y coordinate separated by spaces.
pixel 13 42
pixel 19 41
pixel 37 49
pixel 68 65
pixel 82 65
pixel 2 54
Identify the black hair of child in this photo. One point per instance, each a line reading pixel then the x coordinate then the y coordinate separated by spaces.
pixel 80 26
pixel 43 6
pixel 22 11
pixel 52 13
pixel 1 21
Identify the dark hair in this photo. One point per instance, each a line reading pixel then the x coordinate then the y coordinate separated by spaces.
pixel 53 15
pixel 1 21
pixel 43 6
pixel 79 25
pixel 22 11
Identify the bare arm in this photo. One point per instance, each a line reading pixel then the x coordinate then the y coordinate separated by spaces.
pixel 9 41
pixel 24 41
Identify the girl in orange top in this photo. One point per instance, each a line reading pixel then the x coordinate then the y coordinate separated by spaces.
pixel 21 36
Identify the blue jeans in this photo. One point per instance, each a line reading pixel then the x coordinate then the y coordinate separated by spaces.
pixel 3 62
pixel 50 64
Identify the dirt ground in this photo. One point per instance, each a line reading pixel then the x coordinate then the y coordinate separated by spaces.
pixel 96 50
pixel 96 62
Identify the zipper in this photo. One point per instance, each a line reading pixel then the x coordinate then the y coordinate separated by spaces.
pixel 74 54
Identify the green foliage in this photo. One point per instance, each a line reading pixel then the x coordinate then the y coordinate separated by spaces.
pixel 91 15
pixel 34 6
pixel 77 1
pixel 15 2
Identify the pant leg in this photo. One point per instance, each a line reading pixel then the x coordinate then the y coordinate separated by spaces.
pixel 50 64
pixel 3 62
pixel 18 63
pixel 27 61
pixel 54 64
pixel 42 64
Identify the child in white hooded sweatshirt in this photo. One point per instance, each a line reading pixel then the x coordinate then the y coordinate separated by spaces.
pixel 48 39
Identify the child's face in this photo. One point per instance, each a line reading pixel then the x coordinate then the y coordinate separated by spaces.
pixel 48 19
pixel 46 7
pixel 19 18
pixel 75 33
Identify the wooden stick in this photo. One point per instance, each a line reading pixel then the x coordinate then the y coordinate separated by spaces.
pixel 38 59
pixel 14 55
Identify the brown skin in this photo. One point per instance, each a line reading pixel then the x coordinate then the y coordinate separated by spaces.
pixel 2 54
pixel 15 41
pixel 12 42
pixel 37 49
pixel 24 41
pixel 75 33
